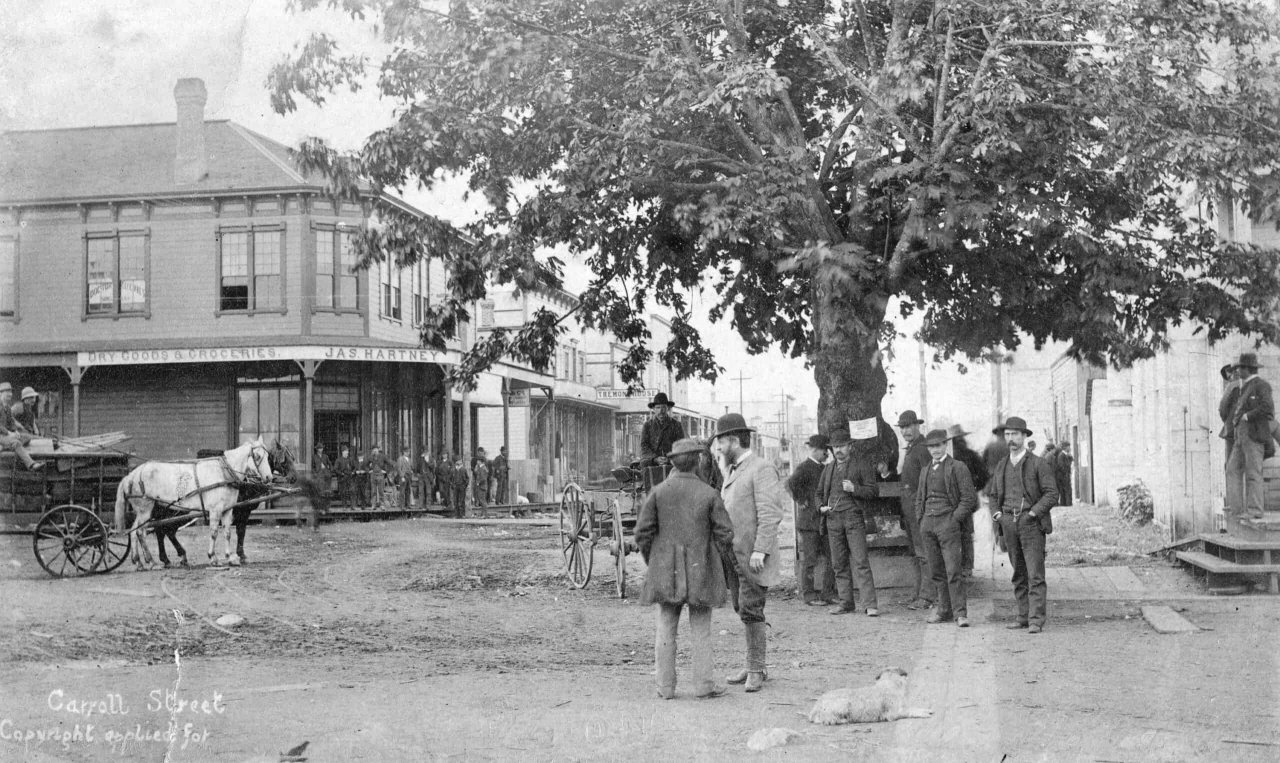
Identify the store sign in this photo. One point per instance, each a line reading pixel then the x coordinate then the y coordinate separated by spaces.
pixel 622 394
pixel 518 398
pixel 262 353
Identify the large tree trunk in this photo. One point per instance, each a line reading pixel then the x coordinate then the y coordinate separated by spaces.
pixel 846 357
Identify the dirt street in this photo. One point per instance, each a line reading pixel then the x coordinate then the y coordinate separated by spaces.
pixel 432 639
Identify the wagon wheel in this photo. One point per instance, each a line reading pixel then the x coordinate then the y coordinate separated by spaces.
pixel 68 541
pixel 115 548
pixel 619 550
pixel 577 526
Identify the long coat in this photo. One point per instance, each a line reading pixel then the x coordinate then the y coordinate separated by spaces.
pixel 803 486
pixel 752 495
pixel 682 526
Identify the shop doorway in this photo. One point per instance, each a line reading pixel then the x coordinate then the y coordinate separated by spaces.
pixel 336 428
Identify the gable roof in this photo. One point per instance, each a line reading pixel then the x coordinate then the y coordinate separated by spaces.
pixel 134 161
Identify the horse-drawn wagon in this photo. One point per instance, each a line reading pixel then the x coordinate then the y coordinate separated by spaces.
pixel 85 521
pixel 604 515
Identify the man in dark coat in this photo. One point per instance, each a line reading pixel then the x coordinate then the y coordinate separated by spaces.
pixel 961 452
pixel 379 467
pixel 944 500
pixel 25 412
pixel 322 467
pixel 444 481
pixel 461 478
pixel 427 478
pixel 1062 473
pixel 811 534
pixel 501 473
pixel 660 432
pixel 846 492
pixel 1023 493
pixel 1227 405
pixel 344 468
pixel 915 457
pixel 1251 427
pixel 685 536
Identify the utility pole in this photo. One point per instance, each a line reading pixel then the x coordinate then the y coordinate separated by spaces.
pixel 924 389
pixel 741 379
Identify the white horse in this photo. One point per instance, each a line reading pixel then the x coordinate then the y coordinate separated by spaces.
pixel 211 485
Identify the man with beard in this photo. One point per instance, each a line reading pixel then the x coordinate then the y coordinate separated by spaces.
pixel 660 432
pixel 752 495
pixel 915 457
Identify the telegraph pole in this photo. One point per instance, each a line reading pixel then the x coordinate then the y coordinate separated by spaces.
pixel 741 379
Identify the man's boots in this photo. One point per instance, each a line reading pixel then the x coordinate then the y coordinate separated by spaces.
pixel 754 674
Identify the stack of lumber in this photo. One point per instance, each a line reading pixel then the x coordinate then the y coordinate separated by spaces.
pixel 69 446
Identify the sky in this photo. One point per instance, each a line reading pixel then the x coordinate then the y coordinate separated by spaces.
pixel 70 63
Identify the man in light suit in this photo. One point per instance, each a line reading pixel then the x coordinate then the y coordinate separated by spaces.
pixel 752 494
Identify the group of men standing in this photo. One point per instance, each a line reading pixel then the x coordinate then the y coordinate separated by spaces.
pixel 444 481
pixel 1248 425
pixel 836 497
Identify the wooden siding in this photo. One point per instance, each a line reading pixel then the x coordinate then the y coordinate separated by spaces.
pixel 171 412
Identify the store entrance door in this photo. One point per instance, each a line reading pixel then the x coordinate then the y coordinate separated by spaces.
pixel 335 428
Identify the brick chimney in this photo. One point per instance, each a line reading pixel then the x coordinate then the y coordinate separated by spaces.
pixel 191 163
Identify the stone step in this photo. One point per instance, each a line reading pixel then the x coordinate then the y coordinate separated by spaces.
pixel 1227 540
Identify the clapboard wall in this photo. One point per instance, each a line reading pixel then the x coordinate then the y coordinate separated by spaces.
pixel 170 411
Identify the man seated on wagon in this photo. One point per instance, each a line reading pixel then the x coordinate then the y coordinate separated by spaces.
pixel 25 412
pixel 12 436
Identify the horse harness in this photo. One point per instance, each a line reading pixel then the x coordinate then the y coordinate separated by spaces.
pixel 230 479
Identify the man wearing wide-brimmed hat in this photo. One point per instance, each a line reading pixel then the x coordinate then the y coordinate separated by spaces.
pixel 961 452
pixel 11 435
pixel 945 499
pixel 1227 405
pixel 1023 492
pixel 660 432
pixel 1251 428
pixel 752 494
pixel 811 533
pixel 915 457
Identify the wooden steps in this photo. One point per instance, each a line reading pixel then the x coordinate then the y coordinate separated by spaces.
pixel 1228 558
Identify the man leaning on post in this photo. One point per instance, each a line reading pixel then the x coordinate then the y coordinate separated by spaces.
pixel 1022 494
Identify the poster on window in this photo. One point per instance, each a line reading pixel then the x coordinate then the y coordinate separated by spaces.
pixel 133 293
pixel 102 294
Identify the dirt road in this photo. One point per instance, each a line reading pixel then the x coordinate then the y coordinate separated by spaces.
pixel 432 639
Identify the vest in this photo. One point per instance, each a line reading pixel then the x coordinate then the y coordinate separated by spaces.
pixel 1015 492
pixel 936 499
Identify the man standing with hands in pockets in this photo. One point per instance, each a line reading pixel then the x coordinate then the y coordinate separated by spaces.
pixel 752 494
pixel 846 487
pixel 1022 494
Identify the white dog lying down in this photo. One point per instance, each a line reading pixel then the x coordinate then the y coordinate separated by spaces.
pixel 867 704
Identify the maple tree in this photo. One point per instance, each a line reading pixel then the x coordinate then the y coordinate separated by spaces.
pixel 1004 168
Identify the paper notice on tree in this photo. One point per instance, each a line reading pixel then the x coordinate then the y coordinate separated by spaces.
pixel 863 429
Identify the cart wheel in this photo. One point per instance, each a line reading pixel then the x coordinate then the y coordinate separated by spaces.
pixel 115 548
pixel 577 527
pixel 619 549
pixel 68 541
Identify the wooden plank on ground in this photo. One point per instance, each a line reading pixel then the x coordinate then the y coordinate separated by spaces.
pixel 1165 620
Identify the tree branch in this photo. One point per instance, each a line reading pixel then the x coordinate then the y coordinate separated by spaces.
pixel 749 145
pixel 837 134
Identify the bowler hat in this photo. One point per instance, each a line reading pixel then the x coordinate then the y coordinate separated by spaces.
pixel 6 387
pixel 819 441
pixel 1013 422
pixel 730 423
pixel 1226 371
pixel 840 437
pixel 28 392
pixel 908 418
pixel 661 399
pixel 955 430
pixel 1248 360
pixel 686 445
pixel 936 437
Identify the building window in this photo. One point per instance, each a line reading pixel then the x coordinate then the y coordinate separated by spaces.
pixel 272 413
pixel 337 285
pixel 8 277
pixel 420 292
pixel 389 275
pixel 116 273
pixel 250 269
